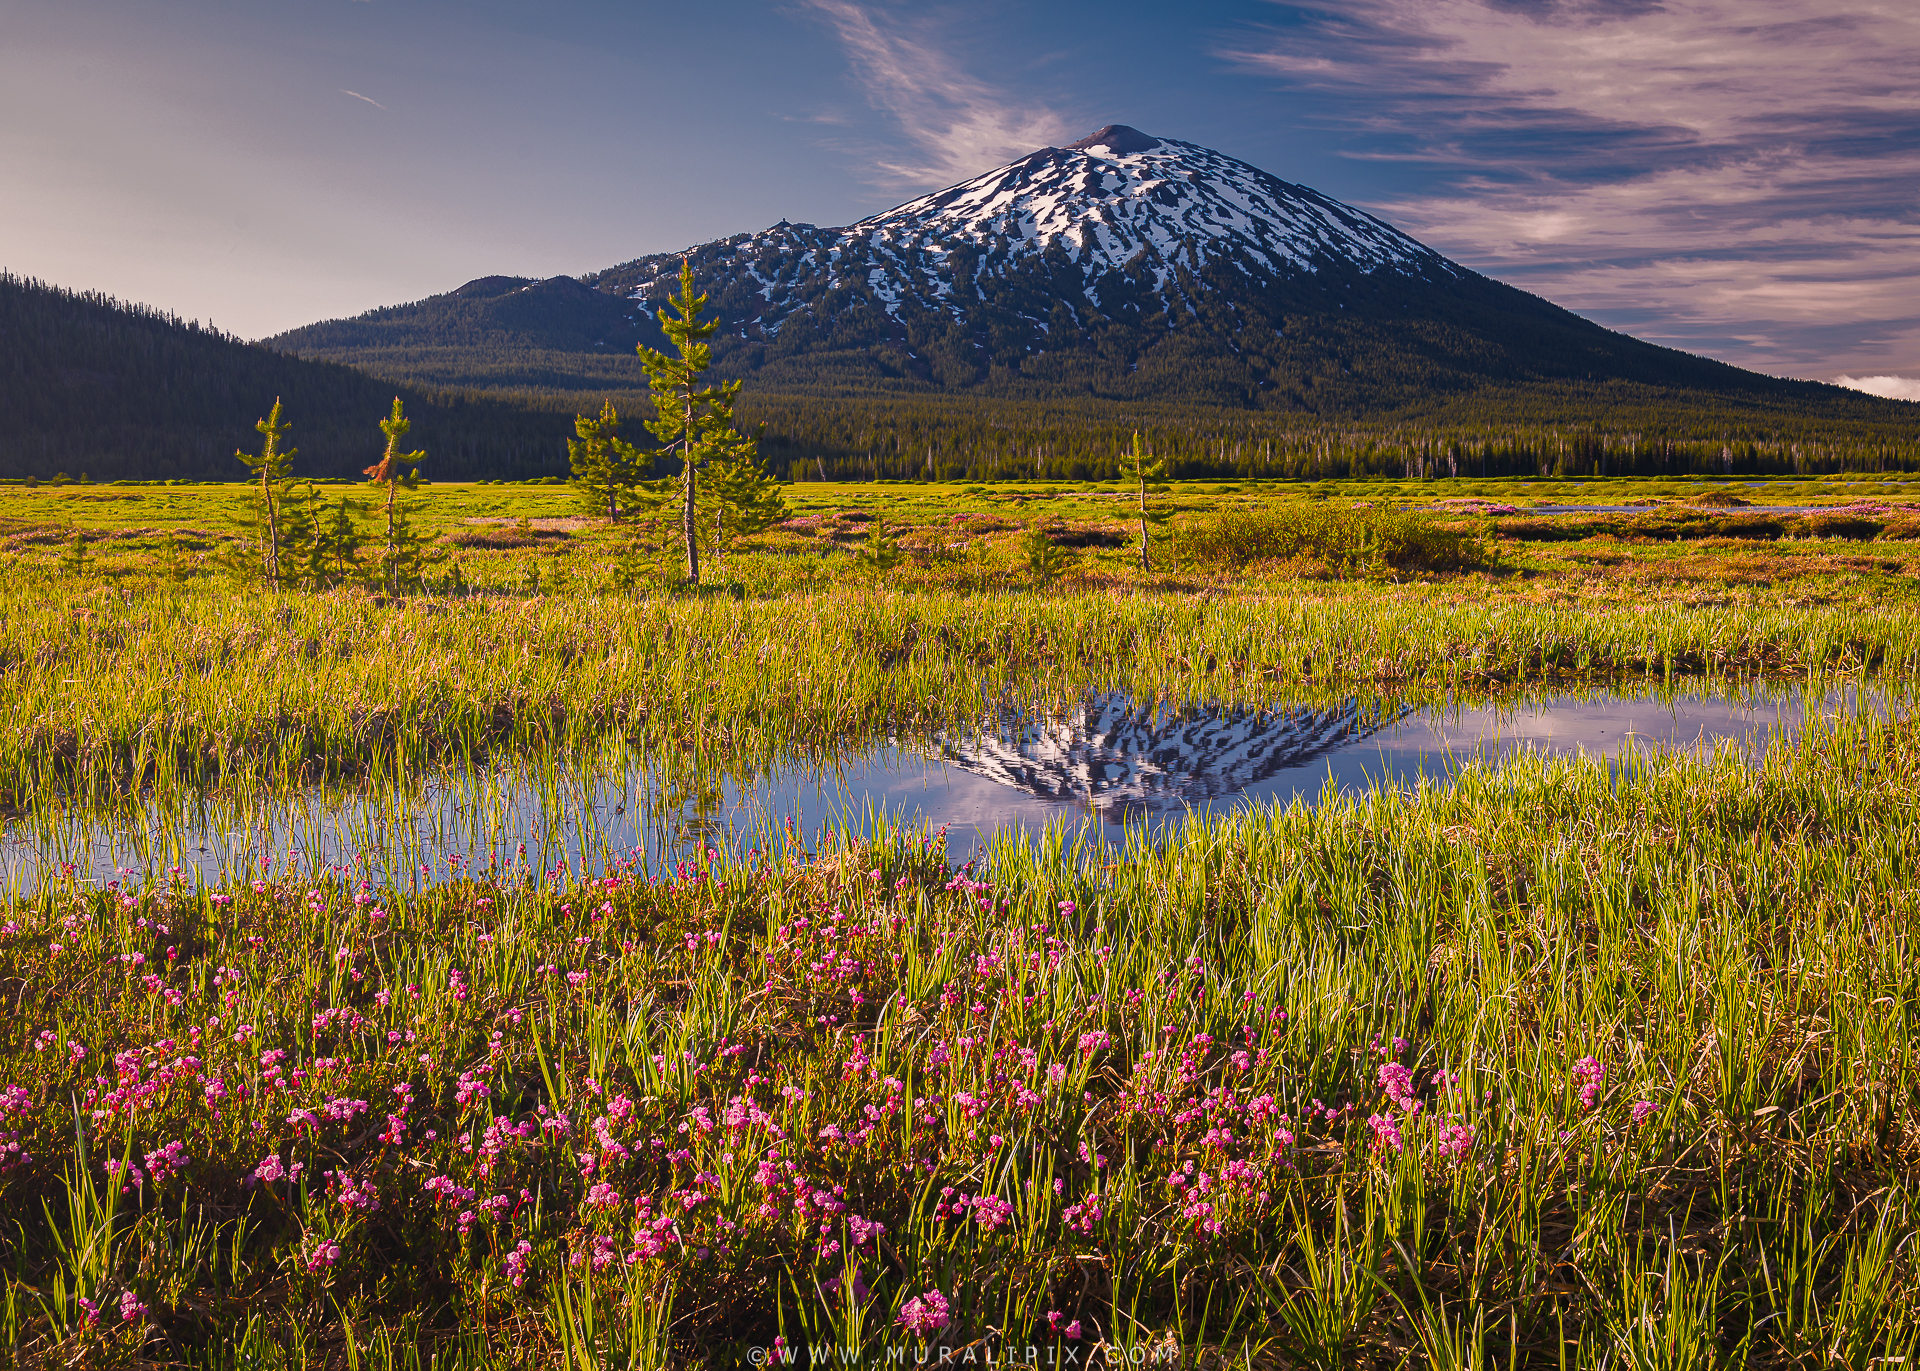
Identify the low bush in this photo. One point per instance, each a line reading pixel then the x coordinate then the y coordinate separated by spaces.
pixel 1341 539
pixel 1087 535
pixel 1857 528
pixel 502 537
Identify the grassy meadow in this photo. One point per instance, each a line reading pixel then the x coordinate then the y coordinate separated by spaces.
pixel 1683 537
pixel 1559 1064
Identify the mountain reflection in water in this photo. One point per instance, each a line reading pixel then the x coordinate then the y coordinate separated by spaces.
pixel 1103 763
pixel 1116 758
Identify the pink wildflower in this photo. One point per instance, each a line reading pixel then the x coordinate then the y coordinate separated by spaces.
pixel 1587 1073
pixel 924 1313
pixel 517 1263
pixel 1397 1081
pixel 1386 1133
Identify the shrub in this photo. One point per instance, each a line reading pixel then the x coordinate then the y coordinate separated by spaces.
pixel 1046 560
pixel 882 551
pixel 1343 539
pixel 1857 528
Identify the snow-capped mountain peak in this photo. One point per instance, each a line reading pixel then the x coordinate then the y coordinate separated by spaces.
pixel 1122 267
pixel 1121 196
pixel 1120 213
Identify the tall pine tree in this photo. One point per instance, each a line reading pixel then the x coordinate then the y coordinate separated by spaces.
pixel 695 421
pixel 274 468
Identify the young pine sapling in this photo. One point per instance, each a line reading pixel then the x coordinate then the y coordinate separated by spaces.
pixel 1047 561
pixel 1145 473
pixel 273 467
pixel 746 498
pixel 882 551
pixel 607 469
pixel 403 556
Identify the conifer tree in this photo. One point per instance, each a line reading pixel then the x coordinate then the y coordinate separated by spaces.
pixel 1146 474
pixel 1047 561
pixel 607 469
pixel 320 543
pixel 881 551
pixel 694 420
pixel 295 529
pixel 747 499
pixel 403 557
pixel 631 567
pixel 273 466
pixel 337 540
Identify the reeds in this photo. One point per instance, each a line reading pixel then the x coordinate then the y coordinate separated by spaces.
pixel 174 690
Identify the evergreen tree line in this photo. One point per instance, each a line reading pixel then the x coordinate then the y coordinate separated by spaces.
pixel 823 439
pixel 90 384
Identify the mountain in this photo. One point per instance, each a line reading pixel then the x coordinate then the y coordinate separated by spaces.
pixel 88 384
pixel 1121 267
pixel 555 334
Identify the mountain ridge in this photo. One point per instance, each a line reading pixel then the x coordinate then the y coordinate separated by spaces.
pixel 92 384
pixel 1123 267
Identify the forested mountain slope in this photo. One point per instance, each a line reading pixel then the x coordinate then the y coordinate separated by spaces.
pixel 88 384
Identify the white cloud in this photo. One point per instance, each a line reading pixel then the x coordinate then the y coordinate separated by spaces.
pixel 955 125
pixel 1889 387
pixel 1731 176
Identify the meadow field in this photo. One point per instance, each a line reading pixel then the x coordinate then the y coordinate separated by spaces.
pixel 1550 1063
pixel 1683 535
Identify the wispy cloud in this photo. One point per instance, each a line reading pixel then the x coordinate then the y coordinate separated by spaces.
pixel 1732 176
pixel 1891 387
pixel 358 96
pixel 953 124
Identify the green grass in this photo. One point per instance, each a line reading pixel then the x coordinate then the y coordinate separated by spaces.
pixel 116 693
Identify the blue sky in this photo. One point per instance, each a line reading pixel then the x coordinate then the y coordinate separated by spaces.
pixel 1737 177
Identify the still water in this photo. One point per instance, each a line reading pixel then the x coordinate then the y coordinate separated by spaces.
pixel 1096 768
